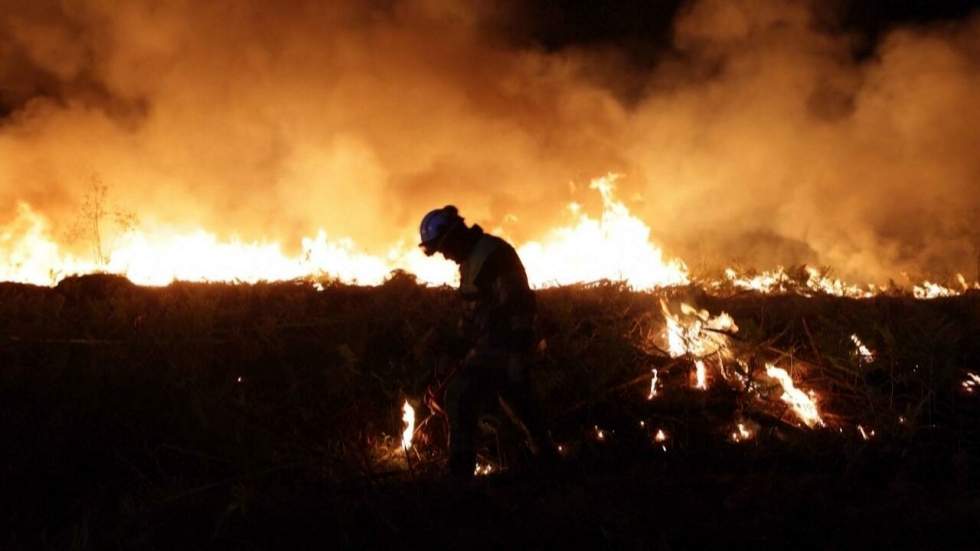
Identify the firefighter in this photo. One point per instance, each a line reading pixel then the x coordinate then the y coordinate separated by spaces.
pixel 498 328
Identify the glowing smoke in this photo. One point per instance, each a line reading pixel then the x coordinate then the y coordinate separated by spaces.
pixel 756 138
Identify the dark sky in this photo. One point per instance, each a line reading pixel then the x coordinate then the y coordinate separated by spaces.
pixel 643 27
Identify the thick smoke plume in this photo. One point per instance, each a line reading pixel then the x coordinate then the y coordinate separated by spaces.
pixel 757 138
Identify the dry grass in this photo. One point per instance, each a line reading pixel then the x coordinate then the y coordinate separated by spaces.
pixel 130 411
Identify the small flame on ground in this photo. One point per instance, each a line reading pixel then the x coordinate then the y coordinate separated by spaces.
pixel 741 433
pixel 972 382
pixel 778 281
pixel 653 385
pixel 802 404
pixel 700 375
pixel 483 469
pixel 867 356
pixel 600 434
pixel 408 417
pixel 866 434
pixel 661 436
pixel 695 333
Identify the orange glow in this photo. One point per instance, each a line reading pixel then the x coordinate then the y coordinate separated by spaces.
pixel 615 246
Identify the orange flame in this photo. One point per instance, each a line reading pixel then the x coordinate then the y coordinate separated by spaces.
pixel 696 334
pixel 615 246
pixel 742 433
pixel 866 355
pixel 653 385
pixel 801 403
pixel 408 417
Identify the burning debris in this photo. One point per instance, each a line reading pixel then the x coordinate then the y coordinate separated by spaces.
pixel 744 431
pixel 971 383
pixel 866 355
pixel 814 282
pixel 802 403
pixel 697 335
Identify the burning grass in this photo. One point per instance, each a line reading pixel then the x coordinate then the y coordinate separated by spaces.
pixel 130 409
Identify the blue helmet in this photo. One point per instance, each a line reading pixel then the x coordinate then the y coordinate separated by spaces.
pixel 436 225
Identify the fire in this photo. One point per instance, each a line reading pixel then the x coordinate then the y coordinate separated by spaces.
pixel 972 382
pixel 932 290
pixel 660 437
pixel 160 256
pixel 600 434
pixel 741 433
pixel 697 334
pixel 801 403
pixel 408 417
pixel 700 375
pixel 483 469
pixel 816 282
pixel 867 356
pixel 616 247
pixel 866 434
pixel 778 281
pixel 653 385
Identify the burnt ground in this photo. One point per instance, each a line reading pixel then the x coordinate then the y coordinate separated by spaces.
pixel 265 417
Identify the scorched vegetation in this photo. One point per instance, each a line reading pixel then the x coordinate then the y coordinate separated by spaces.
pixel 274 416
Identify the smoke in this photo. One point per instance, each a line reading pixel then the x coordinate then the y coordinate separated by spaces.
pixel 756 136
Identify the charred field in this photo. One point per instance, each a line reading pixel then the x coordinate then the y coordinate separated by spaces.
pixel 268 416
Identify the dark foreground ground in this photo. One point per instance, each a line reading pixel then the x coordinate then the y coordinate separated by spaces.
pixel 267 416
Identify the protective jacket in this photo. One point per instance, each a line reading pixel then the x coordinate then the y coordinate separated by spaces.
pixel 499 306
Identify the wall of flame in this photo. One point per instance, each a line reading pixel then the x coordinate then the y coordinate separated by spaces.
pixel 236 132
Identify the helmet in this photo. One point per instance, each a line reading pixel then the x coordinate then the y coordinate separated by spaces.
pixel 436 225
